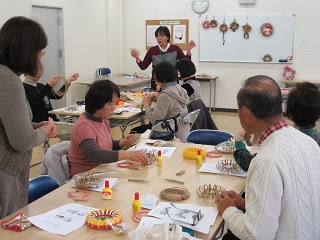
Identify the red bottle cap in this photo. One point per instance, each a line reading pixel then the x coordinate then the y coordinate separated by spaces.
pixel 106 184
pixel 136 196
pixel 199 152
pixel 159 153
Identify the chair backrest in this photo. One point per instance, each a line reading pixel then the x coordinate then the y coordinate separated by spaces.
pixel 63 130
pixel 208 136
pixel 161 128
pixel 103 72
pixel 40 186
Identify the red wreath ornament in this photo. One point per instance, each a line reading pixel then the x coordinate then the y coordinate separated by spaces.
pixel 287 70
pixel 206 24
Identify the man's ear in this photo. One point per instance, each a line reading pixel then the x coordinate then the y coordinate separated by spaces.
pixel 247 113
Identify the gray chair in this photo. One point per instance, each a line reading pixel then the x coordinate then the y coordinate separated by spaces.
pixel 208 136
pixel 40 186
pixel 191 117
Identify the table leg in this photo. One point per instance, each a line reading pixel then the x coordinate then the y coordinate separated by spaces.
pixel 210 96
pixel 214 96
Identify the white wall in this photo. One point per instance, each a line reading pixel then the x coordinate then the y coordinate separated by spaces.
pixel 306 46
pixel 101 33
pixel 84 32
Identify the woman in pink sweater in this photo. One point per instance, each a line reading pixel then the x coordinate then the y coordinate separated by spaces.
pixel 91 140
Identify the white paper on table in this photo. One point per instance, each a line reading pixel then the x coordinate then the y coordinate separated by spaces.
pixel 208 214
pixel 212 168
pixel 62 220
pixel 165 151
pixel 149 222
pixel 99 187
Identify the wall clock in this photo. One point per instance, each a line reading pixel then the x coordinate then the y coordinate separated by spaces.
pixel 200 6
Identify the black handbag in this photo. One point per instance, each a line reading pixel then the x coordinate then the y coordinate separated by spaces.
pixel 169 135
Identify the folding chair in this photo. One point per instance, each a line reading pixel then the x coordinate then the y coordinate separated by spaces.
pixel 208 136
pixel 40 186
pixel 103 72
pixel 191 117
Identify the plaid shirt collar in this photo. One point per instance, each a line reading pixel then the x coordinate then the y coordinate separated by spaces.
pixel 271 129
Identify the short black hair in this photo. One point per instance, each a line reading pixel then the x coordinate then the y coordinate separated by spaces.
pixel 262 95
pixel 186 67
pixel 21 40
pixel 100 93
pixel 163 30
pixel 303 105
pixel 164 72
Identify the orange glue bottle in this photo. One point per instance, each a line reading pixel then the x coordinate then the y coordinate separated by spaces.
pixel 136 204
pixel 134 93
pixel 141 94
pixel 199 158
pixel 159 158
pixel 107 191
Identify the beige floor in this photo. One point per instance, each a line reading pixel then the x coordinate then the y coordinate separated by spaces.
pixel 225 121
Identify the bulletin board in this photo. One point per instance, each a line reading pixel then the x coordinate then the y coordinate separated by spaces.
pixel 237 48
pixel 179 32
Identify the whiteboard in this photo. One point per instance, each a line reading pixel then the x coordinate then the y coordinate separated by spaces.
pixel 238 49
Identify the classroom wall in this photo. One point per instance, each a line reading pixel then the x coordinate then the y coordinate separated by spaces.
pixel 84 31
pixel 306 47
pixel 101 33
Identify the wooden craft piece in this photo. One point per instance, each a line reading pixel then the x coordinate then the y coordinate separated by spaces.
pixel 91 179
pixel 214 23
pixel 266 29
pixel 246 28
pixel 209 191
pixel 206 24
pixel 223 28
pixel 267 58
pixel 234 25
pixel 228 166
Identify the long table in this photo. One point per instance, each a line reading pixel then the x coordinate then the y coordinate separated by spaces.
pixel 122 120
pixel 123 193
pixel 124 83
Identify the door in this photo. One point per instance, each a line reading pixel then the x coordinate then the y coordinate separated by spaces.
pixel 53 61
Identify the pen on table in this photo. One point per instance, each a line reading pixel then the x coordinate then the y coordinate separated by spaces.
pixel 137 180
pixel 180 173
pixel 173 180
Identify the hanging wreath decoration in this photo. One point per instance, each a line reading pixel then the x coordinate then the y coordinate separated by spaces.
pixel 289 73
pixel 206 24
pixel 103 219
pixel 213 23
pixel 266 29
pixel 246 28
pixel 234 25
pixel 267 58
pixel 223 28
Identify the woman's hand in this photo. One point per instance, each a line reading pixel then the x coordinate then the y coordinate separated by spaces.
pixel 123 142
pixel 53 81
pixel 134 53
pixel 49 127
pixel 73 77
pixel 137 156
pixel 191 45
pixel 146 100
